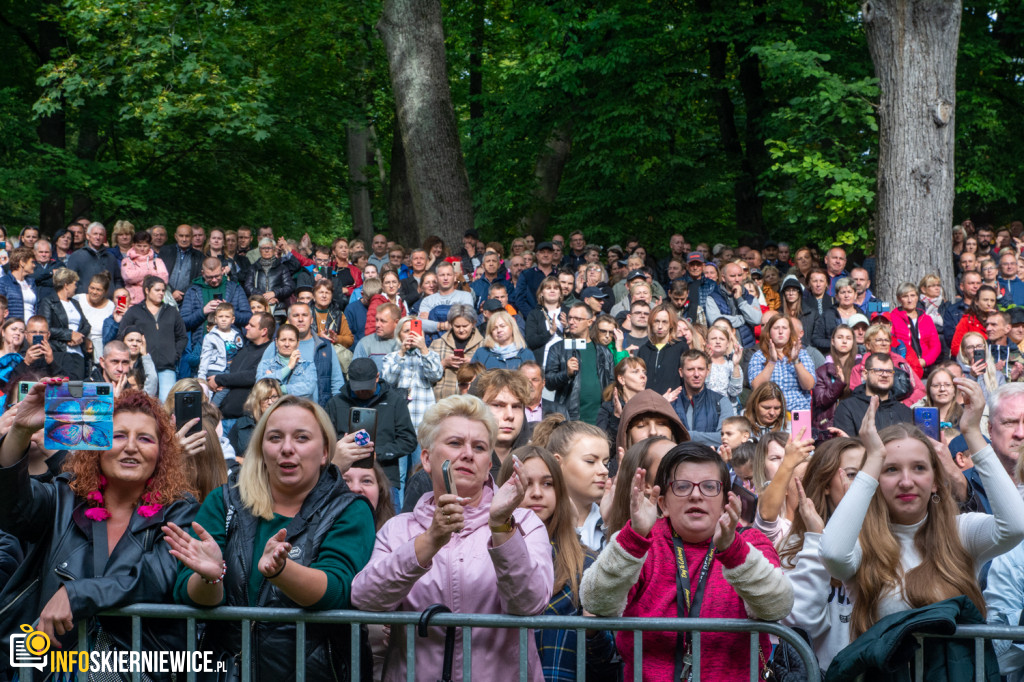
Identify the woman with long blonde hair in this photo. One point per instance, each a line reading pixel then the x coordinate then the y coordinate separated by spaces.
pixel 982 369
pixel 897 539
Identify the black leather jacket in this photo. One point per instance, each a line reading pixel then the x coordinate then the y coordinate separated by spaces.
pixel 52 518
pixel 53 310
pixel 273 644
pixel 277 279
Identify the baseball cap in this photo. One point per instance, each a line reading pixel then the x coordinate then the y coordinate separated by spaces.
pixel 695 257
pixel 1016 316
pixel 635 274
pixel 493 304
pixel 857 319
pixel 545 245
pixel 593 292
pixel 362 374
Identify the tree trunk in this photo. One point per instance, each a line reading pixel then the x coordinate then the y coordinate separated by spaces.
pixel 414 40
pixel 52 131
pixel 913 45
pixel 476 73
pixel 401 216
pixel 358 137
pixel 548 173
pixel 88 148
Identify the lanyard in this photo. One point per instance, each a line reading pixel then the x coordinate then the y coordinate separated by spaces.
pixel 688 599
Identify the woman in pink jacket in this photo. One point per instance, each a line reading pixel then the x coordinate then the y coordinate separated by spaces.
pixel 471 549
pixel 730 574
pixel 914 328
pixel 141 261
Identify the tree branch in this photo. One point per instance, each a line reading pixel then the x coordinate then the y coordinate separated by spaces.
pixel 25 38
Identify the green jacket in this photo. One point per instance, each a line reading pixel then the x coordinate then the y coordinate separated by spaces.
pixel 886 651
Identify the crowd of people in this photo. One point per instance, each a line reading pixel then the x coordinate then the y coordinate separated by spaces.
pixel 645 430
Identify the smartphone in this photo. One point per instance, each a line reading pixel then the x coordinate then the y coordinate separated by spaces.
pixel 79 416
pixel 364 419
pixel 416 326
pixel 927 419
pixel 449 477
pixel 460 352
pixel 800 428
pixel 122 301
pixel 37 339
pixel 188 405
pixel 218 297
pixel 979 355
pixel 23 388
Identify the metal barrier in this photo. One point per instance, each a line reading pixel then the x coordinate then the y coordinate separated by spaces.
pixel 979 633
pixel 466 621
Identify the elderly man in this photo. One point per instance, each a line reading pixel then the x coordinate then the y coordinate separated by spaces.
pixel 183 262
pixel 93 258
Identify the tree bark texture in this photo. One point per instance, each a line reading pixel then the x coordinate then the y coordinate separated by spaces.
pixel 357 150
pixel 913 45
pixel 401 216
pixel 548 174
pixel 414 41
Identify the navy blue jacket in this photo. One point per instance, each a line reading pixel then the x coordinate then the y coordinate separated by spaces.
pixel 11 288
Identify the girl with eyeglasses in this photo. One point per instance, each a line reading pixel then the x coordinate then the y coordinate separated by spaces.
pixel 693 562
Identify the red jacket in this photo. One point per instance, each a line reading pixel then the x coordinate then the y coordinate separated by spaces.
pixel 931 346
pixel 968 323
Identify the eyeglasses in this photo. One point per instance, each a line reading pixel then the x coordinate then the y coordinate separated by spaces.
pixel 942 387
pixel 573 318
pixel 681 488
pixel 883 372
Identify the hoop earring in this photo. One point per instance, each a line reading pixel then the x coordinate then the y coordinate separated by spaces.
pixel 935 498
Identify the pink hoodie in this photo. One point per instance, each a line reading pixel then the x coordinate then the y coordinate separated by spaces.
pixel 467 575
pixel 135 268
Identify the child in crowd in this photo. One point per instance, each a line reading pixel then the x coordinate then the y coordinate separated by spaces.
pixel 743 465
pixel 735 432
pixel 220 345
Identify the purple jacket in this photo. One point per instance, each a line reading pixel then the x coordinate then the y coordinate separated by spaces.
pixel 468 576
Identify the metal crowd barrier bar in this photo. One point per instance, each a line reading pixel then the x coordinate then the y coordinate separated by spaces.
pixel 979 633
pixel 468 622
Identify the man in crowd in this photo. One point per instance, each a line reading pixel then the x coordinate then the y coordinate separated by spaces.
pixel 567 283
pixel 93 258
pixel 329 377
pixel 701 410
pixel 206 293
pixel 835 265
pixel 577 251
pixel 410 285
pixel 525 296
pixel 382 341
pixel 1007 358
pixel 1011 288
pixel 158 237
pixel 395 437
pixel 538 407
pixel 43 273
pixel 114 363
pixel 731 301
pixel 968 262
pixel 878 381
pixel 41 357
pixel 481 286
pixel 238 382
pixel 183 262
pixel 516 264
pixel 639 318
pixel 862 285
pixel 379 255
pixel 244 240
pixel 358 308
pixel 1006 424
pixel 198 238
pixel 676 249
pixel 970 282
pixel 577 369
pixel 447 296
pixel 594 298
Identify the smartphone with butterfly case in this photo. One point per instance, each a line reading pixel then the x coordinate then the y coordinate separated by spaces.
pixel 79 416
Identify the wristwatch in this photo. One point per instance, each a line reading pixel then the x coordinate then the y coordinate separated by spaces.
pixel 507 527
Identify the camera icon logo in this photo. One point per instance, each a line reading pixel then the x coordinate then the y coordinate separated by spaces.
pixel 30 648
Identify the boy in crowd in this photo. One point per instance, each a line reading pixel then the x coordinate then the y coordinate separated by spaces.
pixel 220 345
pixel 735 432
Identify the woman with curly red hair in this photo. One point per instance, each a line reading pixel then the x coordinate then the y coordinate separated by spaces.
pixel 95 530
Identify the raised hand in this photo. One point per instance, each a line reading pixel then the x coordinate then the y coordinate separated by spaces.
pixel 201 553
pixel 607 498
pixel 797 451
pixel 873 447
pixel 275 554
pixel 974 404
pixel 192 445
pixel 812 519
pixel 509 496
pixel 643 511
pixel 673 393
pixel 448 519
pixel 347 451
pixel 725 532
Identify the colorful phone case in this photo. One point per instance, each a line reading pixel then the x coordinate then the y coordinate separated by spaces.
pixel 79 416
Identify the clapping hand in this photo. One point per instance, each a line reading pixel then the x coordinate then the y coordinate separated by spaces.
pixel 643 511
pixel 201 553
pixel 509 496
pixel 812 519
pixel 725 532
pixel 275 555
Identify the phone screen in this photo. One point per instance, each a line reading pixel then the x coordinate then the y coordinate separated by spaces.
pixel 79 416
pixel 37 339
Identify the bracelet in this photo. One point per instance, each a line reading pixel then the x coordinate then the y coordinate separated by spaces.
pixel 223 572
pixel 279 571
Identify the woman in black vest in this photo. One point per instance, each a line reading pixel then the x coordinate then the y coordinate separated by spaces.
pixel 283 532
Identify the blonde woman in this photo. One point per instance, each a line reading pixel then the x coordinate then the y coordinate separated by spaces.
pixel 296 536
pixel 503 347
pixel 976 362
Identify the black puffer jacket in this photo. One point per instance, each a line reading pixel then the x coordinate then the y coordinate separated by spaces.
pixel 273 644
pixel 52 518
pixel 277 279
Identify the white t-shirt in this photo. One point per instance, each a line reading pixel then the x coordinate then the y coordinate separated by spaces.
pixel 95 317
pixel 28 297
pixel 74 323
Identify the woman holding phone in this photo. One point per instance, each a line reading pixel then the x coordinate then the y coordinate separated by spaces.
pixel 455 347
pixel 976 362
pixel 472 548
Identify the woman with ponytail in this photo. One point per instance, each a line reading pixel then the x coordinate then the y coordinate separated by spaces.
pixel 896 538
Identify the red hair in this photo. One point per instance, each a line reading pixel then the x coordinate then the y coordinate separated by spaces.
pixel 170 480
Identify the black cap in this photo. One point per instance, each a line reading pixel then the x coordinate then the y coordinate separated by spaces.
pixel 770 243
pixel 1016 315
pixel 493 304
pixel 636 274
pixel 362 374
pixel 593 292
pixel 545 245
pixel 471 233
pixel 303 288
